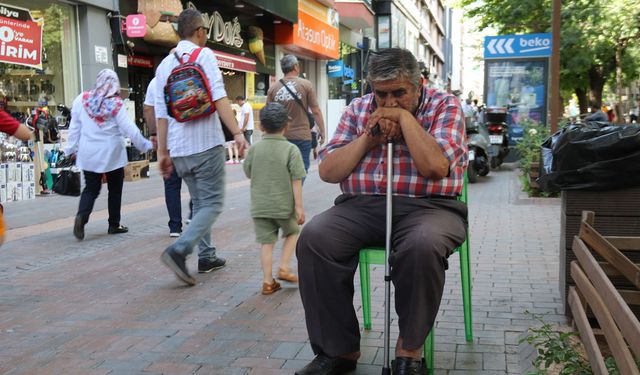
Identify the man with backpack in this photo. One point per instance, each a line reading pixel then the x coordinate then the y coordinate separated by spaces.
pixel 191 91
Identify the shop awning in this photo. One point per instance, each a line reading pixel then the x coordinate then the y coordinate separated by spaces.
pixel 234 62
pixel 355 15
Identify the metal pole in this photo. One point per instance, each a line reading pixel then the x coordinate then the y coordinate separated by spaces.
pixel 555 66
pixel 386 369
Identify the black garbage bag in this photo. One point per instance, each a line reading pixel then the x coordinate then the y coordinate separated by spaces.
pixel 592 156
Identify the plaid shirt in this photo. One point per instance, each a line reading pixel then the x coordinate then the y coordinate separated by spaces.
pixel 440 114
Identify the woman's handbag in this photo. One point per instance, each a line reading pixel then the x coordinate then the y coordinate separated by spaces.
pixel 67 183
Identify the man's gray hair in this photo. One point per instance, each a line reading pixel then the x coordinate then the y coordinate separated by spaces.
pixel 188 22
pixel 393 63
pixel 287 63
pixel 273 117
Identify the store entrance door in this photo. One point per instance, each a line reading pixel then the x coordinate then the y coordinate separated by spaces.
pixel 139 79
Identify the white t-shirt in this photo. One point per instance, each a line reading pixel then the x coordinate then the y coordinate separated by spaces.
pixel 246 111
pixel 149 97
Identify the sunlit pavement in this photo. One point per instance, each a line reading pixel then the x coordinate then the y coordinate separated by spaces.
pixel 107 305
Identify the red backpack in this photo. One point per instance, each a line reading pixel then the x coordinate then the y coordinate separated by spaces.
pixel 187 92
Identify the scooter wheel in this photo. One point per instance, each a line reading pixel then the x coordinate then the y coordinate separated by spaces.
pixel 472 174
pixel 494 163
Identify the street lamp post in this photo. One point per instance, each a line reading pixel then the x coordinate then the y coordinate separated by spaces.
pixel 555 66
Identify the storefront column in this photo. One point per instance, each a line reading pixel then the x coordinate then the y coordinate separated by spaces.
pixel 95 43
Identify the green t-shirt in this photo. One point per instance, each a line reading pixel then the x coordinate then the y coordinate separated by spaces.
pixel 272 164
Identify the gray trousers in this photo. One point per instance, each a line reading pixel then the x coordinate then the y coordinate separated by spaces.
pixel 204 175
pixel 425 232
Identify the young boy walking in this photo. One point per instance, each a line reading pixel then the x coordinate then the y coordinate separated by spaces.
pixel 276 171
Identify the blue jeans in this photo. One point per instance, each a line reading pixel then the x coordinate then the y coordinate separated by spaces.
pixel 204 175
pixel 305 150
pixel 172 187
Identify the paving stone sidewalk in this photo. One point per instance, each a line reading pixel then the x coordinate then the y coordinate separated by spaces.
pixel 107 306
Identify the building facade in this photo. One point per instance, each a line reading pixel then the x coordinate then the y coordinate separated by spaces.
pixel 49 55
pixel 417 25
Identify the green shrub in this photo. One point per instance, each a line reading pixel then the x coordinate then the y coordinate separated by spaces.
pixel 557 348
pixel 534 134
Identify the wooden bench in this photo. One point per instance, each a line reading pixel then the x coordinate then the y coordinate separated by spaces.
pixel 594 291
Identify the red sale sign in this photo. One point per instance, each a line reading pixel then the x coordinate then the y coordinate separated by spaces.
pixel 20 37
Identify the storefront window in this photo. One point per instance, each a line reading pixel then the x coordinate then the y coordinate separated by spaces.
pixel 23 88
pixel 348 85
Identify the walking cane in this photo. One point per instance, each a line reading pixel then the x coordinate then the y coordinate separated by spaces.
pixel 386 369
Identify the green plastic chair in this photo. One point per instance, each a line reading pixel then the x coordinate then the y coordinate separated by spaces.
pixel 375 255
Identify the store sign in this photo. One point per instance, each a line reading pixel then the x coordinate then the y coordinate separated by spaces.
pixel 517 46
pixel 233 62
pixel 136 26
pixel 335 68
pixel 317 36
pixel 220 31
pixel 20 37
pixel 141 61
pixel 349 73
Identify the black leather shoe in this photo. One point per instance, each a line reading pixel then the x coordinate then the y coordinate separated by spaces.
pixel 408 366
pixel 323 365
pixel 78 227
pixel 118 229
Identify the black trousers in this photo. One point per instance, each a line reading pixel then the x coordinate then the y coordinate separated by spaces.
pixel 93 183
pixel 425 232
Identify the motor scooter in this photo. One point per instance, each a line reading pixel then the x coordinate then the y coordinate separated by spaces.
pixel 478 144
pixel 496 123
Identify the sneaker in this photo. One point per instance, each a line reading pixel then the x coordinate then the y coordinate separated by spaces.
pixel 206 266
pixel 177 263
pixel 118 229
pixel 229 162
pixel 174 234
pixel 78 228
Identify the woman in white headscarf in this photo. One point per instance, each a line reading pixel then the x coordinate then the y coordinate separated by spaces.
pixel 98 124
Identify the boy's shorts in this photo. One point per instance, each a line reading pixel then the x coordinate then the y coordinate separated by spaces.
pixel 267 229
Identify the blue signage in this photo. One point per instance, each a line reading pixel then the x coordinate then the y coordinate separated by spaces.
pixel 517 46
pixel 335 68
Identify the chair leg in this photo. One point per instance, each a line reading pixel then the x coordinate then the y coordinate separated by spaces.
pixel 429 347
pixel 465 274
pixel 366 294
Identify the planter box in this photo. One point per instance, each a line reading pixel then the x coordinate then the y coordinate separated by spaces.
pixel 617 213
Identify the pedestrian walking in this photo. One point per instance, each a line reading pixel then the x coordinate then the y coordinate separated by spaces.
pixel 276 170
pixel 246 117
pixel 232 148
pixel 299 97
pixel 196 145
pixel 173 184
pixel 98 124
pixel 430 156
pixel 11 126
